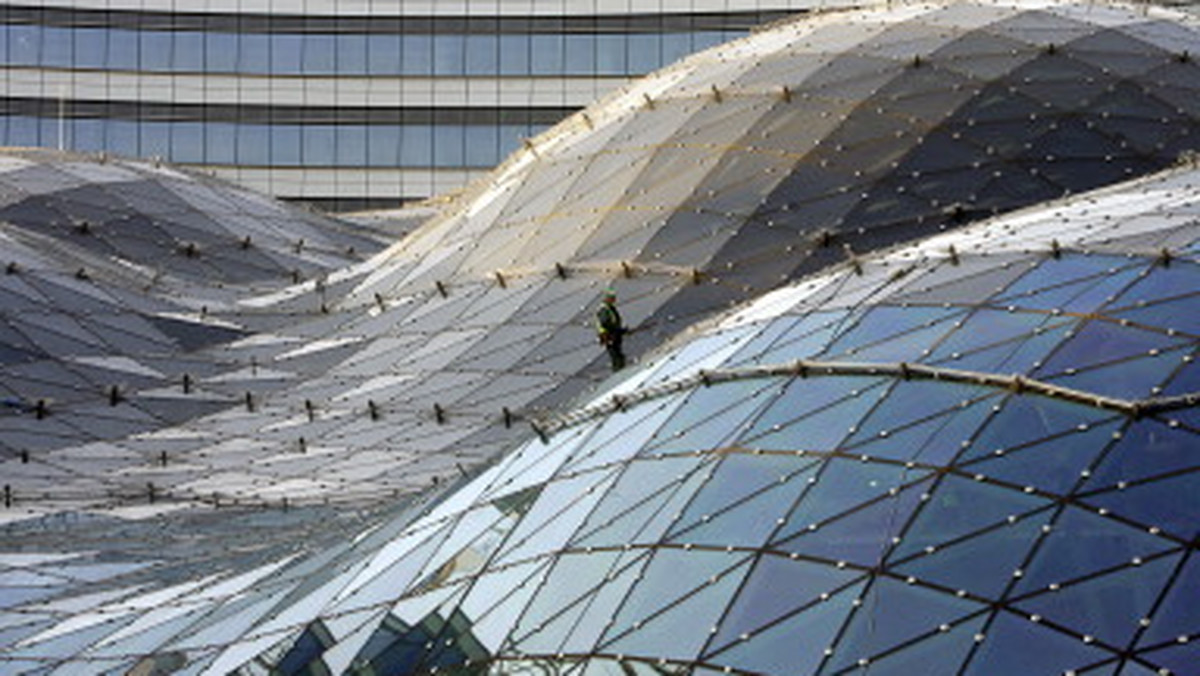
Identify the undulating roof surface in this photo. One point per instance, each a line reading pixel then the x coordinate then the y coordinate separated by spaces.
pixel 211 444
pixel 972 455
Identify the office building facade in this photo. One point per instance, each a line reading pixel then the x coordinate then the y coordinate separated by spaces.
pixel 342 104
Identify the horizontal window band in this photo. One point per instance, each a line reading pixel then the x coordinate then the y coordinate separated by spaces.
pixel 393 24
pixel 260 114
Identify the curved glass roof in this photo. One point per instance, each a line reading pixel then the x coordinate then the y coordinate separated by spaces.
pixel 939 456
pixel 968 452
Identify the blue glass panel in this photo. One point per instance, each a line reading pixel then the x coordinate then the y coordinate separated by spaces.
pixel 1175 314
pixel 482 146
pixel 384 55
pixel 1161 282
pixel 24 45
pixel 1110 607
pixel 778 586
pixel 1015 645
pixel 123 49
pixel 91 47
pixel 704 39
pixel 573 578
pixel 941 653
pixel 831 406
pixel 383 146
pixel 417 54
pixel 221 52
pixel 710 415
pixel 883 322
pixel 1146 448
pixel 254 53
pixel 1169 504
pixel 155 139
pixel 987 327
pixel 449 54
pixel 1020 355
pixel 351 145
pixel 932 442
pixel 649 521
pixel 220 142
pixel 861 537
pixel 910 401
pixel 644 52
pixel 318 54
pixel 318 144
pixel 681 631
pixel 549 54
pixel 960 506
pixel 768 333
pixel 1029 419
pixel 88 135
pixel 894 613
pixel 122 137
pixel 793 646
pixel 351 54
pixel 1056 465
pixel 1072 283
pixel 748 523
pixel 1185 380
pixel 1179 658
pixel 1083 543
pixel 643 483
pixel 188 51
pixel 416 145
pixel 187 142
pixel 57 46
pixel 672 575
pixel 482 55
pixel 1100 342
pixel 1177 613
pixel 285 144
pixel 581 54
pixel 514 54
pixel 287 54
pixel 253 144
pixel 591 618
pixel 155 50
pixel 448 145
pixel 739 476
pixel 557 515
pixel 611 56
pixel 841 485
pixel 982 565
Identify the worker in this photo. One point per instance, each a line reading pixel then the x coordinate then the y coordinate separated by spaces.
pixel 610 331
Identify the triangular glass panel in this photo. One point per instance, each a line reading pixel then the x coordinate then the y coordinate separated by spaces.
pixel 942 651
pixel 790 424
pixel 931 442
pixel 711 416
pixel 1016 645
pixel 1054 466
pixel 1082 543
pixel 648 522
pixel 844 484
pixel 557 514
pixel 863 536
pixel 1109 607
pixel 739 476
pixel 958 507
pixel 1020 355
pixel 1180 658
pixel 749 523
pixel 892 614
pixel 1025 419
pixel 778 586
pixel 796 645
pixel 1168 504
pixel 498 598
pixel 597 612
pixel 1144 449
pixel 671 575
pixel 909 402
pixel 1102 342
pixel 1175 615
pixel 642 481
pixel 679 632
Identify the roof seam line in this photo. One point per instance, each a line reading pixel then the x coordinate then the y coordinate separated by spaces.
pixel 551 423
